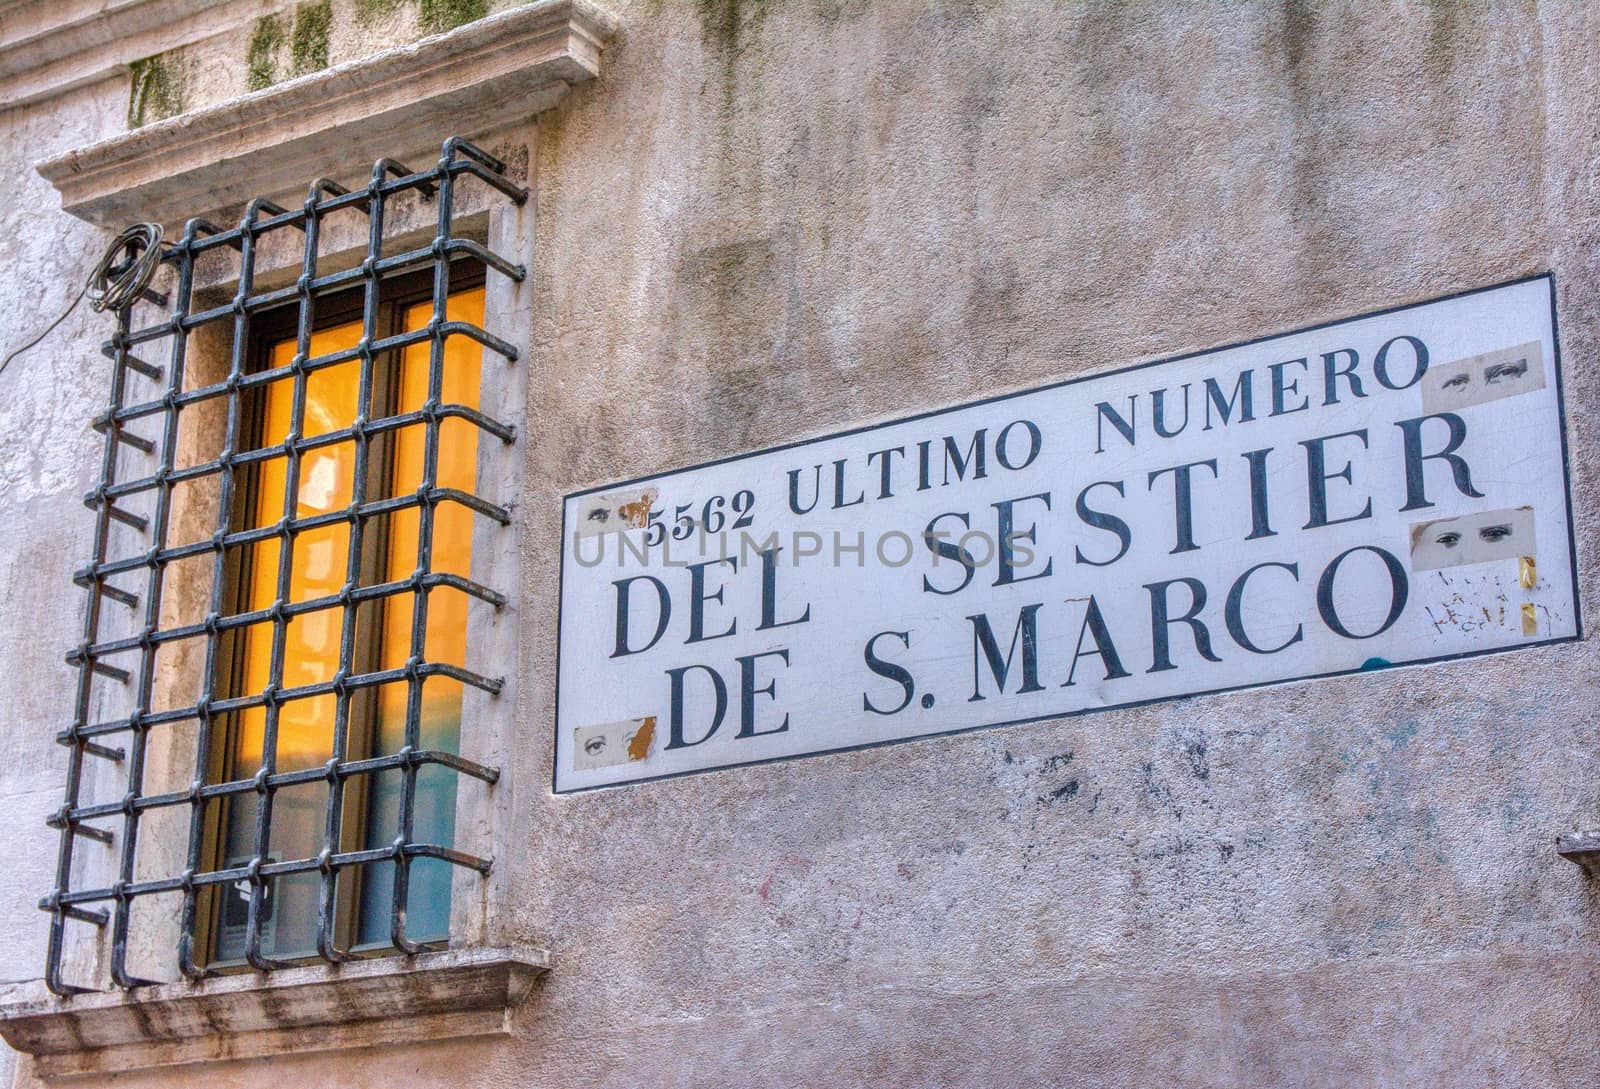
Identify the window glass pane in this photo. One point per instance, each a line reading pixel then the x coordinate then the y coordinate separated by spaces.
pixel 428 902
pixel 311 640
pixel 311 645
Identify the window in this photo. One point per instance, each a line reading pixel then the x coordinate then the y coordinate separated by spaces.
pixel 321 617
pixel 323 559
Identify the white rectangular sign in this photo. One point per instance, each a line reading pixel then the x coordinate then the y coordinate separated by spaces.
pixel 1383 491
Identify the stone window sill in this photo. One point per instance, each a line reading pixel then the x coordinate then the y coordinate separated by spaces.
pixel 469 992
pixel 1581 848
pixel 487 75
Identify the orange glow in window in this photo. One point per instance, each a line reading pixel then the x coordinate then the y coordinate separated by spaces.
pixel 320 556
pixel 319 567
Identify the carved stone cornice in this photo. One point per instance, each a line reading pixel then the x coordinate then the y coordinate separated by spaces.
pixel 47 49
pixel 486 75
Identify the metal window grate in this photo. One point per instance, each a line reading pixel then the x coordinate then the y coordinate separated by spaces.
pixel 143 504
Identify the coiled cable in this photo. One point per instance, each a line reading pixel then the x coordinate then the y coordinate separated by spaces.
pixel 123 272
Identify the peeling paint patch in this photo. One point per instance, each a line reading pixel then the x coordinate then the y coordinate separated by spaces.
pixel 1400 736
pixel 1060 791
pixel 637 513
pixel 613 743
pixel 1530 619
pixel 639 743
pixel 1066 790
pixel 615 511
pixel 1469 603
pixel 1528 572
pixel 1194 747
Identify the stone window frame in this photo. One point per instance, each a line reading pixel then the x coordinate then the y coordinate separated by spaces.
pixel 492 76
pixel 153 791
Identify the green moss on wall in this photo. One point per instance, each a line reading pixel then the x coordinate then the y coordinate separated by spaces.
pixel 308 42
pixel 368 11
pixel 159 83
pixel 832 11
pixel 433 16
pixel 441 15
pixel 723 21
pixel 262 59
pixel 729 28
pixel 719 21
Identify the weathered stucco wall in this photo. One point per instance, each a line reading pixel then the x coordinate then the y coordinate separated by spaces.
pixel 773 220
pixel 48 459
pixel 289 38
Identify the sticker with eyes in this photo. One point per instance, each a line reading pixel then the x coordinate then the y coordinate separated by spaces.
pixel 1501 373
pixel 1473 538
pixel 613 743
pixel 615 512
pixel 1505 372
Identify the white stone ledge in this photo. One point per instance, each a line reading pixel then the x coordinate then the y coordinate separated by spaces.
pixel 430 996
pixel 487 75
pixel 1581 848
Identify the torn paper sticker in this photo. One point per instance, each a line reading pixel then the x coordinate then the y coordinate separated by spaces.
pixel 599 514
pixel 1472 538
pixel 612 743
pixel 1487 377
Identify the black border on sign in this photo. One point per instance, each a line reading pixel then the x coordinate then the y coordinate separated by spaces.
pixel 1566 470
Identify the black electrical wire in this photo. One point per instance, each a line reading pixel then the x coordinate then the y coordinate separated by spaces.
pixel 114 286
pixel 124 271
